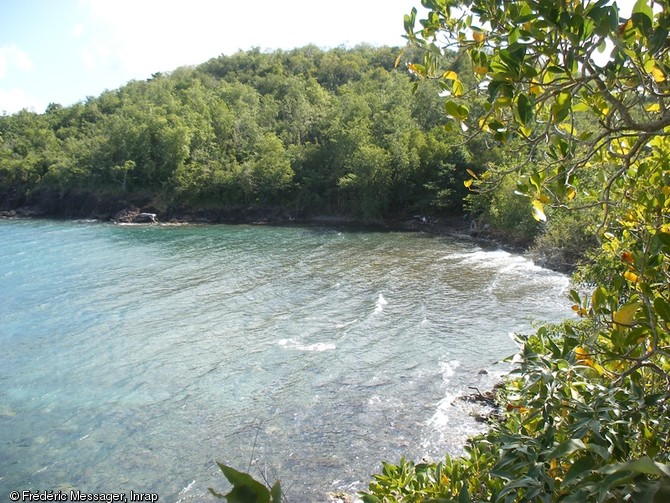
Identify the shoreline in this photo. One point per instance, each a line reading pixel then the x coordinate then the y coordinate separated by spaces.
pixel 457 226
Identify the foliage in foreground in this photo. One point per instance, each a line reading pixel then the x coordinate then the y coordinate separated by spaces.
pixel 586 416
pixel 246 489
pixel 566 434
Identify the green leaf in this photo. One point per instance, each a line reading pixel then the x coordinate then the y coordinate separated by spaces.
pixel 642 465
pixel 275 493
pixel 458 112
pixel 599 298
pixel 641 10
pixel 574 444
pixel 561 107
pixel 662 308
pixel 369 498
pixel 657 40
pixel 464 495
pixel 410 21
pixel 566 448
pixel 579 469
pixel 664 238
pixel 524 109
pixel 245 488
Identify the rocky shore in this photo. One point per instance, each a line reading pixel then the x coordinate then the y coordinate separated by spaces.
pixel 144 210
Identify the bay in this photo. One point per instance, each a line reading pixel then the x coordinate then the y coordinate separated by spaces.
pixel 135 357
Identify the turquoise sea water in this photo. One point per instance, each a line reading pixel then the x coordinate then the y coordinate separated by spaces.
pixel 134 357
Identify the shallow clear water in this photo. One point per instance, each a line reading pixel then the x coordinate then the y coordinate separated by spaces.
pixel 134 357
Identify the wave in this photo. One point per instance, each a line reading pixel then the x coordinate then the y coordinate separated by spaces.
pixel 294 344
pixel 381 302
pixel 500 260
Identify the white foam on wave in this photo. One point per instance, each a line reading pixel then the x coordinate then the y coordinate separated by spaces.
pixel 319 346
pixel 185 490
pixel 381 302
pixel 294 344
pixel 501 260
pixel 345 324
pixel 448 368
pixel 440 420
pixel 453 421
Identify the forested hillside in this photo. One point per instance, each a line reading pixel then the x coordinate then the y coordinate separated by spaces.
pixel 337 132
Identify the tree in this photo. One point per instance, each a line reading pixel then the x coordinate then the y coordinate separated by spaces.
pixel 588 412
pixel 267 172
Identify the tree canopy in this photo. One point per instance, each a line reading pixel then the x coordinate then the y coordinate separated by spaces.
pixel 309 130
pixel 581 92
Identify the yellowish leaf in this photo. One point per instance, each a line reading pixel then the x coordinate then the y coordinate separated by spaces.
pixel 480 70
pixel 653 108
pixel 478 36
pixel 416 69
pixel 601 370
pixel 625 315
pixel 567 128
pixel 657 74
pixel 450 75
pixel 503 101
pixel 457 88
pixel 583 356
pixel 468 183
pixel 571 193
pixel 471 173
pixel 631 276
pixel 538 211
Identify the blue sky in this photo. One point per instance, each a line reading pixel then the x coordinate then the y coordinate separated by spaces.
pixel 61 51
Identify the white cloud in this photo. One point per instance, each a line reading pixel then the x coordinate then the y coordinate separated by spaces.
pixel 15 100
pixel 78 30
pixel 136 38
pixel 96 54
pixel 12 56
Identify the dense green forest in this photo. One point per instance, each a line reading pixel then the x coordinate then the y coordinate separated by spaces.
pixel 310 131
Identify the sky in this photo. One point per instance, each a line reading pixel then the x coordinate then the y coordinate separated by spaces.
pixel 62 51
